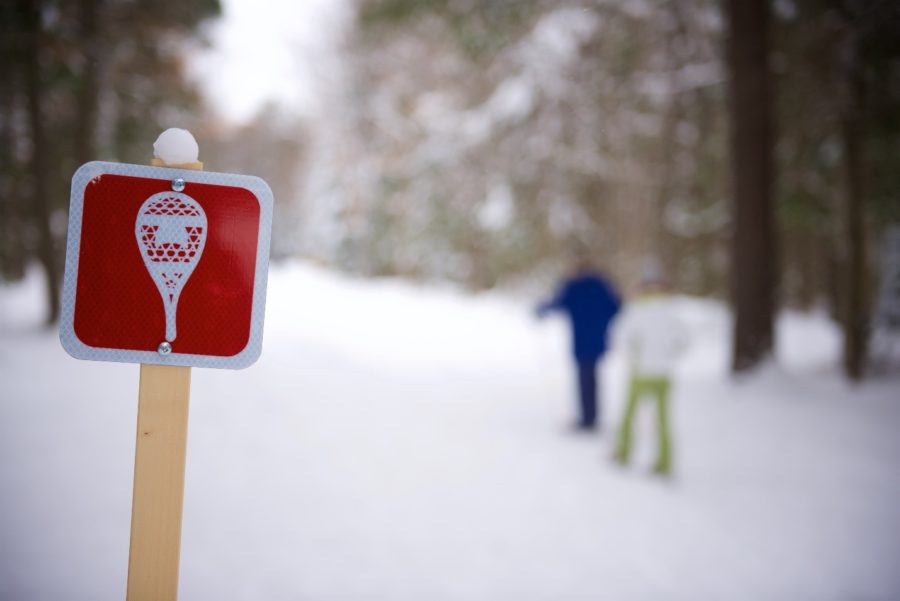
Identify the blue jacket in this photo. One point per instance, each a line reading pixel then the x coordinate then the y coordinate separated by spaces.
pixel 591 303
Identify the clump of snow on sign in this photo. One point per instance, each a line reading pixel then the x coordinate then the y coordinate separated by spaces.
pixel 176 146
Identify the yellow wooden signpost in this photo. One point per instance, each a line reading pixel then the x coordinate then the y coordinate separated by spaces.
pixel 159 459
pixel 170 232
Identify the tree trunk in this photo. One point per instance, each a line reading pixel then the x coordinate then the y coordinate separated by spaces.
pixel 753 269
pixel 86 128
pixel 13 252
pixel 31 12
pixel 854 314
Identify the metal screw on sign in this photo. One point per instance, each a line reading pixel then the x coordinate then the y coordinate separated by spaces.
pixel 178 184
pixel 164 348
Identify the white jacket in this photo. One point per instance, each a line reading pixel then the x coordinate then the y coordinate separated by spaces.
pixel 652 336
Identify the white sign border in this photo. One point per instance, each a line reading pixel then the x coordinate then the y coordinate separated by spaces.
pixel 80 180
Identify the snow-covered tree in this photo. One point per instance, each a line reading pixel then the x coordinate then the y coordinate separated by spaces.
pixel 481 142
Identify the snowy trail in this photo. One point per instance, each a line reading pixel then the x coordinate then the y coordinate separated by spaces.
pixel 352 463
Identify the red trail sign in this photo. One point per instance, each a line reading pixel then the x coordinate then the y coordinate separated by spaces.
pixel 166 266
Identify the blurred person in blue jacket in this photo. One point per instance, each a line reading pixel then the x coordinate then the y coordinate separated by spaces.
pixel 590 302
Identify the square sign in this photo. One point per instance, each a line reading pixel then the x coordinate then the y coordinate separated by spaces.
pixel 166 266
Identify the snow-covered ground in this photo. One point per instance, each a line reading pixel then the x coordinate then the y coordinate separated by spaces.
pixel 396 442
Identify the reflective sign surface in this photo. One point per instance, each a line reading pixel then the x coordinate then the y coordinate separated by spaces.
pixel 147 265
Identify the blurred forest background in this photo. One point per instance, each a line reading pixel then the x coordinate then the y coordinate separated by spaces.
pixel 752 147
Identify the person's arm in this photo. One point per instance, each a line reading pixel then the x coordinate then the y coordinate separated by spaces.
pixel 559 302
pixel 681 337
pixel 624 336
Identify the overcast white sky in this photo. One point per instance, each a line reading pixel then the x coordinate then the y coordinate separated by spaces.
pixel 269 50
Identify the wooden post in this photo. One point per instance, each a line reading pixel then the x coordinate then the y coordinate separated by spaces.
pixel 159 460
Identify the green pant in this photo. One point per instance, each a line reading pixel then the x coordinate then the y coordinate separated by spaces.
pixel 657 387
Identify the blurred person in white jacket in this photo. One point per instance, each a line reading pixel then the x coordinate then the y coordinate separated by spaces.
pixel 653 339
